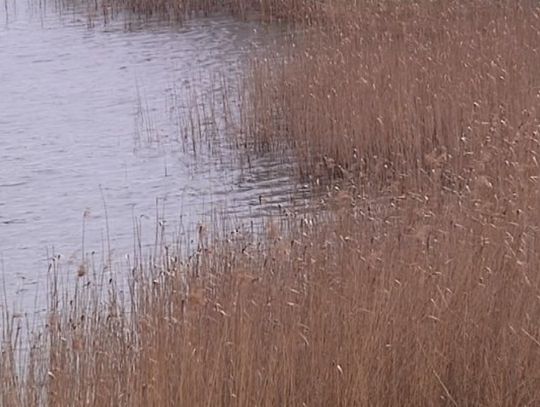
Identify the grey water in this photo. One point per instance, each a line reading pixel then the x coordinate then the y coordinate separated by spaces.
pixel 91 141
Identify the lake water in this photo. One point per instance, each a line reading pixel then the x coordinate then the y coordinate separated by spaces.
pixel 89 132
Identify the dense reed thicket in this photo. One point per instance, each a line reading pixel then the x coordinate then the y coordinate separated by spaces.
pixel 395 92
pixel 420 284
pixel 399 302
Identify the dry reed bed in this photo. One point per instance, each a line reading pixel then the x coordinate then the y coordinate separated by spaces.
pixel 427 294
pixel 404 302
pixel 394 92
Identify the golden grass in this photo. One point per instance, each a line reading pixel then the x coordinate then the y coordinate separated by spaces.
pixel 392 93
pixel 399 302
pixel 419 287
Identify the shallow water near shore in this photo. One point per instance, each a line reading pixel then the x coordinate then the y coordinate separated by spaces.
pixel 91 143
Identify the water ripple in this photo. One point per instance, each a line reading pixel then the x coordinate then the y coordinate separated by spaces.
pixel 72 152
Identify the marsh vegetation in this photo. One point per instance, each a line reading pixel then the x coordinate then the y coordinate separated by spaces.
pixel 417 285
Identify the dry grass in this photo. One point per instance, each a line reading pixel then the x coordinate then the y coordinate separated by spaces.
pixel 397 303
pixel 425 293
pixel 399 91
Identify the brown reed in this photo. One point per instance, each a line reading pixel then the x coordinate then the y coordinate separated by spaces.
pixel 418 287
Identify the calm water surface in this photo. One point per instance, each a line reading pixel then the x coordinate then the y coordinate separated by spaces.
pixel 88 120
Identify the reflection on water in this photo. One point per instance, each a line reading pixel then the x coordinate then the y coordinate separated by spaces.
pixel 86 134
